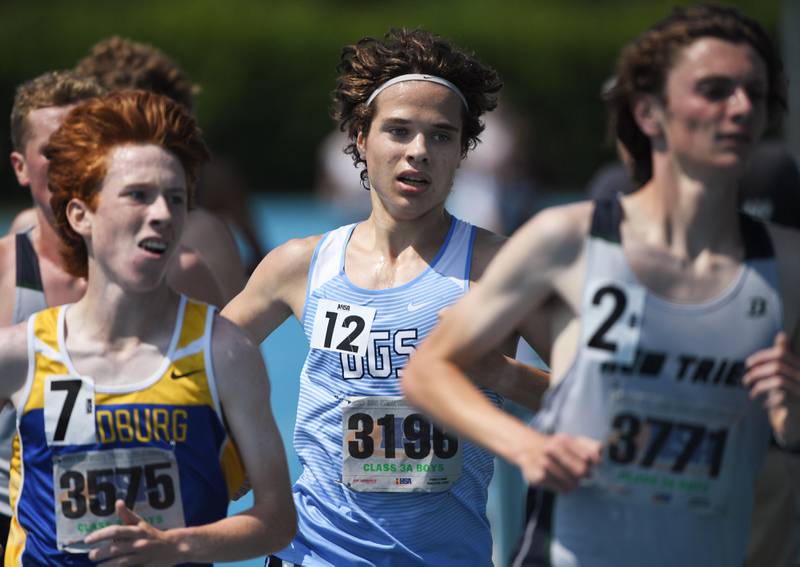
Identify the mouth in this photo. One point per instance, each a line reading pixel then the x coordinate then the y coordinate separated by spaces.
pixel 739 138
pixel 154 245
pixel 414 180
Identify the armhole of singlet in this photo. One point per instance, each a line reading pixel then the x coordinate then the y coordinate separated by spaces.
pixel 208 360
pixel 606 219
pixel 760 258
pixel 601 229
pixel 312 268
pixel 26 391
pixel 27 275
pixel 756 239
pixel 349 230
pixel 468 262
pixel 27 263
pixel 327 262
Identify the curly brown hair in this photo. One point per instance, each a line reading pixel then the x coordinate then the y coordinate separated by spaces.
pixel 54 88
pixel 120 63
pixel 643 66
pixel 370 62
pixel 78 152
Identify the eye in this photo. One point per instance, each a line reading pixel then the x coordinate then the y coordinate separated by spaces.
pixel 398 131
pixel 715 90
pixel 137 195
pixel 176 198
pixel 756 92
pixel 441 137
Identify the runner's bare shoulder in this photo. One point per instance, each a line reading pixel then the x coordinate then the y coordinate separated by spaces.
pixel 484 248
pixel 289 262
pixel 13 359
pixel 555 236
pixel 8 271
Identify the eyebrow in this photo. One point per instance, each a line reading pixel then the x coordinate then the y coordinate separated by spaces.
pixel 439 125
pixel 728 78
pixel 153 186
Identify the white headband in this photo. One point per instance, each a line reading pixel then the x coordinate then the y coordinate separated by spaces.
pixel 417 77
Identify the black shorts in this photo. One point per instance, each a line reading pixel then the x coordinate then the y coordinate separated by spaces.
pixel 5 526
pixel 273 561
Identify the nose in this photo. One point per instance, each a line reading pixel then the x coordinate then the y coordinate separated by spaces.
pixel 740 102
pixel 417 149
pixel 159 211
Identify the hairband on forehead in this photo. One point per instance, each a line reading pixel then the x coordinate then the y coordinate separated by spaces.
pixel 418 77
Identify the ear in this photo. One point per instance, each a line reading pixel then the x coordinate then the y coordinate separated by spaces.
pixel 361 143
pixel 79 217
pixel 649 114
pixel 20 167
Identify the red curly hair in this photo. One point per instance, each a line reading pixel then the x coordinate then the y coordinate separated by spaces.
pixel 78 152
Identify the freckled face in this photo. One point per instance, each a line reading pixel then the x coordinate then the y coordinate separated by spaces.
pixel 413 148
pixel 716 107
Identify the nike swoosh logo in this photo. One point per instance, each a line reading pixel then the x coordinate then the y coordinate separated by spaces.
pixel 417 306
pixel 176 375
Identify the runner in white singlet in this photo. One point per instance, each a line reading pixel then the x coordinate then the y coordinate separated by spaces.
pixel 671 319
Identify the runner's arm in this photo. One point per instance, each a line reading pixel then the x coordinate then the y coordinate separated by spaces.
pixel 519 280
pixel 13 361
pixel 519 382
pixel 190 275
pixel 275 290
pixel 499 370
pixel 24 220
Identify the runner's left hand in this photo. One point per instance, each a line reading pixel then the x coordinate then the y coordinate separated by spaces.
pixel 135 542
pixel 773 374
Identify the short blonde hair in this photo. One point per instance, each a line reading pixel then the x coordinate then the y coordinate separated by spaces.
pixel 54 88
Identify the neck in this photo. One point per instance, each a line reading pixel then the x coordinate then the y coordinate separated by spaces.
pixel 108 313
pixel 46 240
pixel 391 236
pixel 687 212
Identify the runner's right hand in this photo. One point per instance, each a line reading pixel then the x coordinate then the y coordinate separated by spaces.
pixel 558 462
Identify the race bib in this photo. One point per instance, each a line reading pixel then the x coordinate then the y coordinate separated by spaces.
pixel 342 327
pixel 389 447
pixel 87 485
pixel 668 452
pixel 611 320
pixel 69 410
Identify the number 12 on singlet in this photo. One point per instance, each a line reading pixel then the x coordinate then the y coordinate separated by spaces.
pixel 342 327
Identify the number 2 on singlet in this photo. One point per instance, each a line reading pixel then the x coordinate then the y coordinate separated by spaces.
pixel 612 320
